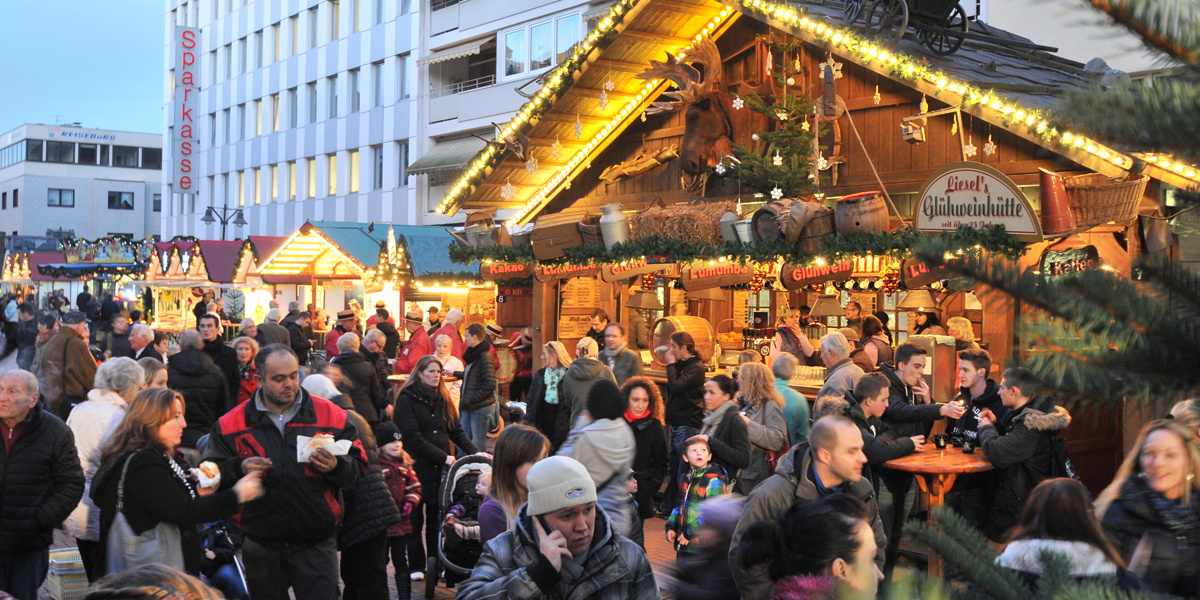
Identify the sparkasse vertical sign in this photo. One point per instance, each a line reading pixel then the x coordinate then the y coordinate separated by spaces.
pixel 185 106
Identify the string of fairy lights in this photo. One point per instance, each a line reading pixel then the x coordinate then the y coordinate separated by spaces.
pixel 841 39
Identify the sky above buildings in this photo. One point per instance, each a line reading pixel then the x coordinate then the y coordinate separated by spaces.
pixel 99 62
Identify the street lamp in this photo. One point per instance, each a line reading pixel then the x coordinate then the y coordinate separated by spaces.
pixel 225 215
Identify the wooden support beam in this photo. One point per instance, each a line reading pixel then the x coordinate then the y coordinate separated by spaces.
pixel 594 93
pixel 706 10
pixel 659 38
pixel 626 67
pixel 570 118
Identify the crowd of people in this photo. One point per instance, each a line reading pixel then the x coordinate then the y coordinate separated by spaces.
pixel 274 466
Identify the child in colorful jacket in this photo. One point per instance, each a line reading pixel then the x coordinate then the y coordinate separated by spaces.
pixel 701 482
pixel 406 491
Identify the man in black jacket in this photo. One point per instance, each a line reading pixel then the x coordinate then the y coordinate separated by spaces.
pixel 206 395
pixel 477 403
pixel 43 483
pixel 300 343
pixel 290 531
pixel 372 348
pixel 391 335
pixel 141 340
pixel 27 333
pixel 969 495
pixel 685 406
pixel 365 392
pixel 223 356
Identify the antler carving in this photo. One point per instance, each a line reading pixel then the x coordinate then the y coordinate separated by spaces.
pixel 690 82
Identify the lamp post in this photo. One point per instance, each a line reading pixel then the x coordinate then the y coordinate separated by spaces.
pixel 224 215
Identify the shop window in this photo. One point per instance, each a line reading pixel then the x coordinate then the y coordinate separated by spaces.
pixel 120 200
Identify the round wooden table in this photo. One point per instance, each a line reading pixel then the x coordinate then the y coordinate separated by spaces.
pixel 936 471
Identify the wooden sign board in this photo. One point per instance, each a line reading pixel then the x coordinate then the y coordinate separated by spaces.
pixel 971 193
pixel 795 277
pixel 546 274
pixel 617 271
pixel 580 293
pixel 700 275
pixel 915 274
pixel 497 271
pixel 1062 263
pixel 573 327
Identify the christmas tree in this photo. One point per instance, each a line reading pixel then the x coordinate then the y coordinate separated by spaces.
pixel 779 162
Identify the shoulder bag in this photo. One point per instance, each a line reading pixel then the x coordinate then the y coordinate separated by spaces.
pixel 125 549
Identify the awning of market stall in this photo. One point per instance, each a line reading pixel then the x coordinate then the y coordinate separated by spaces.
pixel 37 259
pixel 596 94
pixel 447 155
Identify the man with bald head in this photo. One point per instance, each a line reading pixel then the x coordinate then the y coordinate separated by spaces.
pixel 43 483
pixel 829 462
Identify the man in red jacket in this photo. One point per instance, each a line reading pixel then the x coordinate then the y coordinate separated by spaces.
pixel 347 322
pixel 418 344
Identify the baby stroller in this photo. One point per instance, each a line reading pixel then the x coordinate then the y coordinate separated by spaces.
pixel 455 555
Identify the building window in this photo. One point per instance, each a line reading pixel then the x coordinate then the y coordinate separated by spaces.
pixel 275 183
pixel 88 152
pixel 212 132
pixel 312 28
pixel 274 112
pixel 379 8
pixel 212 68
pixel 276 33
pixel 157 202
pixel 540 45
pixel 3 200
pixel 212 192
pixel 311 166
pixel 120 200
pixel 404 7
pixel 60 152
pixel 335 7
pixel 258 117
pixel 354 171
pixel 293 109
pixel 377 84
pixel 152 158
pixel 243 60
pixel 257 183
pixel 312 103
pixel 354 15
pixel 331 86
pixel 258 50
pixel 241 188
pixel 105 150
pixel 514 52
pixel 228 61
pixel 226 117
pixel 224 191
pixel 241 121
pixel 402 164
pixel 33 150
pixel 295 35
pixel 291 180
pixel 15 194
pixel 354 95
pixel 60 197
pixel 402 76
pixel 377 174
pixel 331 173
pixel 567 36
pixel 125 156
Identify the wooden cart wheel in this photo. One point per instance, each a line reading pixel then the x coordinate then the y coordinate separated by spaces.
pixel 852 10
pixel 943 41
pixel 887 20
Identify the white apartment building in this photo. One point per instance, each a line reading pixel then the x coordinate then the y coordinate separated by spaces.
pixel 305 113
pixel 474 56
pixel 92 182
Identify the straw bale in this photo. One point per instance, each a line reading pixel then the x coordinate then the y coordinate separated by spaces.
pixel 686 222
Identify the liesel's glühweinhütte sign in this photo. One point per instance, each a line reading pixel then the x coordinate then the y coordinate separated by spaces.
pixel 974 194
pixel 794 277
pixel 703 274
pixel 185 108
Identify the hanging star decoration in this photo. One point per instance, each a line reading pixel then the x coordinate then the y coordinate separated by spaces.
pixel 603 100
pixel 782 115
pixel 738 103
pixel 822 164
pixel 970 150
pixel 609 85
pixel 836 66
pixel 720 168
pixel 777 160
pixel 990 147
pixel 507 191
pixel 805 126
pixel 776 193
pixel 877 98
pixel 770 61
pixel 556 149
pixel 578 127
pixel 531 165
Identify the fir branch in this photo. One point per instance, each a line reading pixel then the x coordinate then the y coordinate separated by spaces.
pixel 1163 26
pixel 466 256
pixel 961 545
pixel 1163 116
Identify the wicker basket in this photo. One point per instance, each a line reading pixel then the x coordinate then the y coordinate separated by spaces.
pixel 729 345
pixel 589 228
pixel 1096 199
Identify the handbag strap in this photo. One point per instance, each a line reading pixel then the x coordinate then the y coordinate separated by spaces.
pixel 121 484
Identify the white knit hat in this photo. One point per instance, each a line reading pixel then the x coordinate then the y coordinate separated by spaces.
pixel 558 482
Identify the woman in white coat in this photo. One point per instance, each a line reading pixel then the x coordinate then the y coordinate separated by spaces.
pixel 117 381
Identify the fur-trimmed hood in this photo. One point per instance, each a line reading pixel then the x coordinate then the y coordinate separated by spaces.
pixel 1040 419
pixel 1086 559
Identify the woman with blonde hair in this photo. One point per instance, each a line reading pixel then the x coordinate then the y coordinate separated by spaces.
pixel 246 349
pixel 442 347
pixel 762 412
pixel 155 372
pixel 517 448
pixel 542 397
pixel 1148 512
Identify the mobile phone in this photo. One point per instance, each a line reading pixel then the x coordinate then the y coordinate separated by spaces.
pixel 545 524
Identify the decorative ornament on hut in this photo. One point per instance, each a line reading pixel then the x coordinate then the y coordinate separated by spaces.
pixel 836 66
pixel 556 149
pixel 517 143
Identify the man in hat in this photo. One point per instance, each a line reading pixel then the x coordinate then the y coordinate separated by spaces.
pixel 436 320
pixel 347 322
pixel 561 544
pixel 67 366
pixel 418 344
pixel 494 332
pixel 377 317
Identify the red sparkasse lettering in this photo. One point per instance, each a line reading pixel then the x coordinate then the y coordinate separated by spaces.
pixel 185 165
pixel 189 39
pixel 185 148
pixel 185 183
pixel 187 91
pixel 189 59
pixel 185 131
pixel 185 114
pixel 188 79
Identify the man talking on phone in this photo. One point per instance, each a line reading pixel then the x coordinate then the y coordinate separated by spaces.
pixel 909 413
pixel 561 545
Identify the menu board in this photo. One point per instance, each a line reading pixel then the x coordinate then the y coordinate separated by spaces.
pixel 741 308
pixel 481 304
pixel 573 326
pixel 866 300
pixel 581 293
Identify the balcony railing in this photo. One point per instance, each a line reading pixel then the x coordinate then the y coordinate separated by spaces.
pixel 440 4
pixel 465 86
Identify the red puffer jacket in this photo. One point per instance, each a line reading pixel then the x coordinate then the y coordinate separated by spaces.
pixel 406 491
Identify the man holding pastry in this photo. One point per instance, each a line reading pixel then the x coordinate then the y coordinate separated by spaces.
pixel 290 531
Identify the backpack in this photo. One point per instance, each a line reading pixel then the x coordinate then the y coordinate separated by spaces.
pixel 1060 460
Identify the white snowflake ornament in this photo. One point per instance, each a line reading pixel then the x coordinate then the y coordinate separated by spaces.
pixel 782 115
pixel 738 103
pixel 556 150
pixel 720 168
pixel 822 164
pixel 777 160
pixel 578 127
pixel 970 150
pixel 609 85
pixel 531 165
pixel 507 191
pixel 776 193
pixel 603 100
pixel 990 147
pixel 836 66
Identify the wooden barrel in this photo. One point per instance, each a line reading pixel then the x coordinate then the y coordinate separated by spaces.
pixel 766 219
pixel 660 335
pixel 814 234
pixel 862 212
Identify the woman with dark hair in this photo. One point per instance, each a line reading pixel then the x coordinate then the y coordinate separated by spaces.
pixel 428 423
pixel 605 447
pixel 1058 517
pixel 139 466
pixel 884 319
pixel 517 448
pixel 874 343
pixel 644 413
pixel 817 551
pixel 724 429
pixel 928 323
